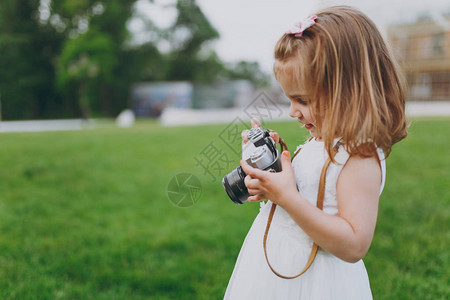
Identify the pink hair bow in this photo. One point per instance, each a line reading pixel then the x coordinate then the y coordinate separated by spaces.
pixel 298 28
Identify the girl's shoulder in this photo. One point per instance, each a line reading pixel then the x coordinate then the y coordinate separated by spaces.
pixel 372 166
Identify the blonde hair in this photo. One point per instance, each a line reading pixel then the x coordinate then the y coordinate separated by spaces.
pixel 351 79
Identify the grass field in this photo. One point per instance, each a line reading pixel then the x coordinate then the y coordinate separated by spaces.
pixel 86 215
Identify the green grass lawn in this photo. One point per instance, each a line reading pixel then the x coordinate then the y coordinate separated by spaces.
pixel 86 215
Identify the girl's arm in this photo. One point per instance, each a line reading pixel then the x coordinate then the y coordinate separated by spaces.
pixel 347 235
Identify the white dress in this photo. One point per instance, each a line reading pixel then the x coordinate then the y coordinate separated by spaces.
pixel 289 247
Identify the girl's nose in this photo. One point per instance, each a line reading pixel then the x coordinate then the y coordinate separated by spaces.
pixel 294 113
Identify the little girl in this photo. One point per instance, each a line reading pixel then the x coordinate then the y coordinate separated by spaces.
pixel 345 88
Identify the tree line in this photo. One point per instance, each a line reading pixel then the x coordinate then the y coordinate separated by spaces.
pixel 77 58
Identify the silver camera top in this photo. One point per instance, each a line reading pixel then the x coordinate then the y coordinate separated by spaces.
pixel 255 133
pixel 260 158
pixel 260 150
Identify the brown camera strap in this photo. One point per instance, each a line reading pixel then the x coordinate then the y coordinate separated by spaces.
pixel 315 247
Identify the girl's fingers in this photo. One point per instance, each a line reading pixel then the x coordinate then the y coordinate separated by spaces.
pixel 253 185
pixel 244 134
pixel 253 172
pixel 275 137
pixel 255 123
pixel 254 198
pixel 253 192
pixel 286 164
pixel 248 182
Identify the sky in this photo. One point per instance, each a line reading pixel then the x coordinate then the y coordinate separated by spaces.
pixel 249 29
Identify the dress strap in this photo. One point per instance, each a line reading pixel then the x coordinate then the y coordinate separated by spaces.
pixel 295 154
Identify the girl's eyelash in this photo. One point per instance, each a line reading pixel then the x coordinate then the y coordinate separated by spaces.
pixel 301 101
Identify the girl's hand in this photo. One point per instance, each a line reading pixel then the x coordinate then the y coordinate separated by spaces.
pixel 256 123
pixel 278 187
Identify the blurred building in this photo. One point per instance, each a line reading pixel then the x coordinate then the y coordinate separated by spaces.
pixel 423 51
pixel 149 99
pixel 223 94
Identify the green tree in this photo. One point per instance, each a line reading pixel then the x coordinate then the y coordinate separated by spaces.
pixel 66 58
pixel 27 47
pixel 98 27
pixel 250 71
pixel 86 63
pixel 192 57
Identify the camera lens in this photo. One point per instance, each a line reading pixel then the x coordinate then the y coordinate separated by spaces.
pixel 233 184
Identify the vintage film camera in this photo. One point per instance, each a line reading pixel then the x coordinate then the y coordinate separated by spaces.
pixel 259 152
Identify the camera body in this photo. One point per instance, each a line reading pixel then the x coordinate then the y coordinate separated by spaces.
pixel 260 152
